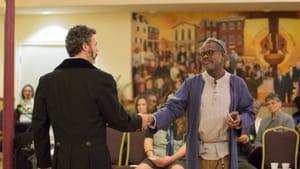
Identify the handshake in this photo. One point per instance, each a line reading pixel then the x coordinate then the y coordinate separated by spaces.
pixel 147 120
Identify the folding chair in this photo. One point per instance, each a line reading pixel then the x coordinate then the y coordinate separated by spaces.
pixel 280 144
pixel 115 142
pixel 135 149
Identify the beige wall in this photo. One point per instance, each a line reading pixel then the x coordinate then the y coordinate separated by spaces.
pixel 113 35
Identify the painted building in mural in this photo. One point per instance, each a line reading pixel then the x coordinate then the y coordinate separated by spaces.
pixel 184 35
pixel 140 31
pixel 264 43
pixel 231 31
pixel 153 37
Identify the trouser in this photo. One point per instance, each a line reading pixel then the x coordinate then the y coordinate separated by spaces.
pixel 222 163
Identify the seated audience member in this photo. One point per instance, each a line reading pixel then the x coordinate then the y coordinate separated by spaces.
pixel 296 115
pixel 276 118
pixel 141 104
pixel 24 109
pixel 245 141
pixel 153 102
pixel 23 151
pixel 254 129
pixel 244 147
pixel 166 148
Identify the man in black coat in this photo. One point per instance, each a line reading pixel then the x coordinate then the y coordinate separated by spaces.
pixel 79 101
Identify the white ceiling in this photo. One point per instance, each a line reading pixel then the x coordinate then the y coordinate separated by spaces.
pixel 85 6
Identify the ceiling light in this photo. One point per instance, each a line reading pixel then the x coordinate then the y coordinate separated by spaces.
pixel 267 10
pixel 46 12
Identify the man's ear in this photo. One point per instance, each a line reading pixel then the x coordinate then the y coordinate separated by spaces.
pixel 225 57
pixel 85 46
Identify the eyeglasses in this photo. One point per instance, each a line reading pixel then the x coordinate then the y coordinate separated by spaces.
pixel 209 53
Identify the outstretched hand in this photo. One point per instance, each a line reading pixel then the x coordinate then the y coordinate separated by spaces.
pixel 147 120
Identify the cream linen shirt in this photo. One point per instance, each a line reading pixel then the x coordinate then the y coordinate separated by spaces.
pixel 213 128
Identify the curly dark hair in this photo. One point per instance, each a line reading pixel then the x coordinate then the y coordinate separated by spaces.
pixel 77 35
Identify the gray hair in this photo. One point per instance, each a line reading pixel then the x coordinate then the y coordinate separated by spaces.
pixel 272 96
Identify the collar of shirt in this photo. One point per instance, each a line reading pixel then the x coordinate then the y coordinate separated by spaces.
pixel 211 80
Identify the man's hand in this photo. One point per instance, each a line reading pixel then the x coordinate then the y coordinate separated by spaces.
pixel 150 120
pixel 147 120
pixel 234 120
pixel 162 161
pixel 243 139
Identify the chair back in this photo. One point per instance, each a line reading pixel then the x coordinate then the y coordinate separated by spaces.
pixel 115 142
pixel 280 144
pixel 135 148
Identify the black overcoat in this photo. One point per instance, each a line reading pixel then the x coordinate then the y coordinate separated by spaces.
pixel 79 101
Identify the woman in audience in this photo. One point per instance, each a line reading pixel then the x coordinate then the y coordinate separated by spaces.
pixel 141 104
pixel 166 148
pixel 24 109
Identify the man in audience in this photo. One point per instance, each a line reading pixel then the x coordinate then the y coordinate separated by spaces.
pixel 276 118
pixel 296 115
pixel 153 102
pixel 244 146
pixel 245 141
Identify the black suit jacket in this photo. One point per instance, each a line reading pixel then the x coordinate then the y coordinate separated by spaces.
pixel 279 87
pixel 79 101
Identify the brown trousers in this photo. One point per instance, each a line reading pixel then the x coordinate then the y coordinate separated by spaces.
pixel 214 164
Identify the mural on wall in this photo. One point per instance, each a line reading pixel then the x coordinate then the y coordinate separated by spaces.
pixel 263 48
